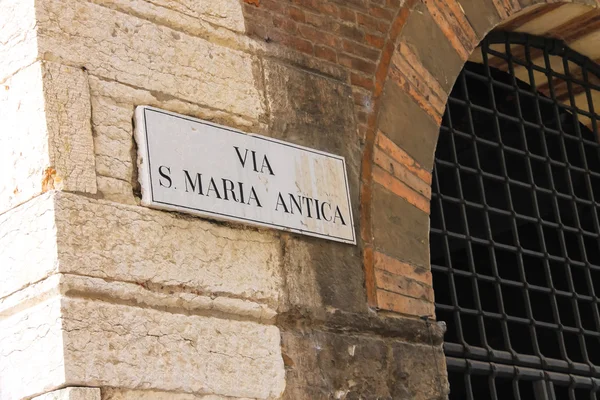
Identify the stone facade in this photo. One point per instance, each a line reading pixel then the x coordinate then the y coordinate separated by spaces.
pixel 103 299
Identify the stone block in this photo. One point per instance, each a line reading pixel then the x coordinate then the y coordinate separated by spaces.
pixel 402 230
pixel 31 351
pixel 28 251
pixel 72 393
pixel 482 15
pixel 131 50
pixel 68 116
pixel 124 394
pixel 18 36
pixel 408 125
pixel 137 244
pixel 323 274
pixel 189 15
pixel 72 330
pixel 47 137
pixel 24 154
pixel 419 372
pixel 113 140
pixel 441 60
pixel 323 365
pixel 138 348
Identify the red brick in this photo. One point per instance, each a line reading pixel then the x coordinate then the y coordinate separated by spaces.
pixel 383 67
pixel 300 44
pixel 297 14
pixel 316 20
pixel 292 41
pixel 285 24
pixel 401 172
pixel 372 23
pixel 358 64
pixel 361 4
pixel 361 80
pixel 458 31
pixel 317 36
pixel 351 32
pixel 347 14
pixel 326 53
pixel 374 40
pixel 395 152
pixel 383 13
pixel 397 267
pixel 404 305
pixel 506 8
pixel 400 189
pixel 319 6
pixel 393 4
pixel 361 51
pixel 418 97
pixel 403 285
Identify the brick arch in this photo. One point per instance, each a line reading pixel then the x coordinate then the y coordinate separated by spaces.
pixel 427 45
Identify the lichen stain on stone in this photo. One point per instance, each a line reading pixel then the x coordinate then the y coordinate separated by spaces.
pixel 48 179
pixel 253 2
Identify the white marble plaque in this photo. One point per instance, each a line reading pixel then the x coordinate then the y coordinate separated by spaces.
pixel 197 167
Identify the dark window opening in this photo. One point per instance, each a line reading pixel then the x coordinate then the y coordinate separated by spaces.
pixel 515 231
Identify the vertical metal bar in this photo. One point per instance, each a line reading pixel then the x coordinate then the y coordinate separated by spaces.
pixel 581 336
pixel 540 390
pixel 488 226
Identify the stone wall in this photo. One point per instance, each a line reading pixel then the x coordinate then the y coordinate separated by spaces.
pixel 130 303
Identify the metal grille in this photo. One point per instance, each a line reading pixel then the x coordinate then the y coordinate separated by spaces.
pixel 515 225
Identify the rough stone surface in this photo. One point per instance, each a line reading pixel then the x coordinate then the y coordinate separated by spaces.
pixel 178 302
pixel 72 393
pixel 28 251
pixel 24 152
pixel 402 230
pixel 31 351
pixel 185 13
pixel 18 45
pixel 97 332
pixel 121 394
pixel 131 347
pixel 419 372
pixel 301 104
pixel 68 115
pixel 408 126
pixel 324 365
pixel 420 33
pixel 481 14
pixel 134 51
pixel 47 137
pixel 135 244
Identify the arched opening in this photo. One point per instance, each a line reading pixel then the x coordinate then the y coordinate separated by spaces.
pixel 515 224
